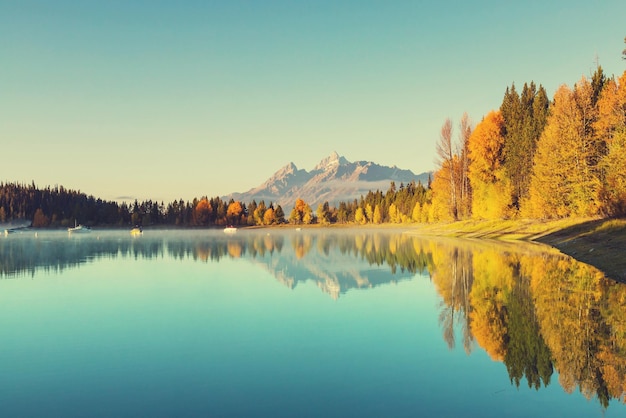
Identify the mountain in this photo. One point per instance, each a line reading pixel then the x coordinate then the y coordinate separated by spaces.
pixel 333 179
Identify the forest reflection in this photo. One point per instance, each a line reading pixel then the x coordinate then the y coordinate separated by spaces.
pixel 528 306
pixel 537 312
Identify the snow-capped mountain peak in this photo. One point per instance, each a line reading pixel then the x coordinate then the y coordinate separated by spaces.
pixel 330 162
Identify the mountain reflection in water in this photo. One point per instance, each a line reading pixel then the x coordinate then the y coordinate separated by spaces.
pixel 528 306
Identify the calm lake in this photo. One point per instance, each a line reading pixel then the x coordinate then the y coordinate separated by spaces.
pixel 311 323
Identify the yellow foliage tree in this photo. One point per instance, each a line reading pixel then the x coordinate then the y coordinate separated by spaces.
pixel 612 191
pixel 416 214
pixel 611 129
pixel 269 217
pixel 394 214
pixel 377 217
pixel 359 216
pixel 441 203
pixel 563 182
pixel 611 108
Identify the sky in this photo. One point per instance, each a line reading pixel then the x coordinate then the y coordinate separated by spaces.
pixel 167 100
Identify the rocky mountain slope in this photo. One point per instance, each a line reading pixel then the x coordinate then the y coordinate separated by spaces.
pixel 333 179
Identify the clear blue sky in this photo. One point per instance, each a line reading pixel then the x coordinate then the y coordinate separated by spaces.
pixel 166 100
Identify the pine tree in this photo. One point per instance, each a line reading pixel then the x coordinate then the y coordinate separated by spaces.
pixel 524 120
pixel 279 214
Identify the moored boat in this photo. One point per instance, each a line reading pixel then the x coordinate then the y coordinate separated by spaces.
pixel 230 229
pixel 78 229
pixel 136 231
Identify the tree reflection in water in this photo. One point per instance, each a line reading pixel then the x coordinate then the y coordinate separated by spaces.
pixel 526 305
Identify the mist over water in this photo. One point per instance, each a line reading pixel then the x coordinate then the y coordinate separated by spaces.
pixel 319 322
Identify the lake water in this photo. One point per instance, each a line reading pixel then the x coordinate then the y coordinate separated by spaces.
pixel 311 323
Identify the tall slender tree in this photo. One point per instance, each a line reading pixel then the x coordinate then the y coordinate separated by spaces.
pixel 465 191
pixel 446 163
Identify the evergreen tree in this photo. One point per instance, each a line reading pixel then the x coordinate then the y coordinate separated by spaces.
pixel 279 214
pixel 524 119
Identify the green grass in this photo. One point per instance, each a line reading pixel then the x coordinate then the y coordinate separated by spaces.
pixel 595 241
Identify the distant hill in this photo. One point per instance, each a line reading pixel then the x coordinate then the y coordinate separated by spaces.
pixel 333 179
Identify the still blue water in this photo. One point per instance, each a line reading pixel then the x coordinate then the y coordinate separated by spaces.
pixel 312 323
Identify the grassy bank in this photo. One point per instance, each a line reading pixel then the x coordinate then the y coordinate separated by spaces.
pixel 598 242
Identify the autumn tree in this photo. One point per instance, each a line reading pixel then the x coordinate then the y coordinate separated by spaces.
pixel 369 213
pixel 446 160
pixel 359 216
pixel 234 212
pixel 465 191
pixel 440 207
pixel 612 191
pixel 40 220
pixel 259 212
pixel 269 216
pixel 323 213
pixel 377 217
pixel 610 128
pixel 564 181
pixel 490 186
pixel 611 108
pixel 301 213
pixel 201 213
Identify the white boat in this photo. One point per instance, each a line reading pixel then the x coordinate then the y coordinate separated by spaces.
pixel 230 230
pixel 78 229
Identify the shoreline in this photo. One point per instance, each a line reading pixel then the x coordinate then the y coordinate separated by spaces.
pixel 598 242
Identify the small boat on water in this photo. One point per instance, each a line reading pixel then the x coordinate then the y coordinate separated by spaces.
pixel 136 231
pixel 230 229
pixel 78 229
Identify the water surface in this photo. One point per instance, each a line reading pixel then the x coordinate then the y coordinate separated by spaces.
pixel 304 323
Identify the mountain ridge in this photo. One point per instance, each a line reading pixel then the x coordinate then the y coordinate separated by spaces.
pixel 333 179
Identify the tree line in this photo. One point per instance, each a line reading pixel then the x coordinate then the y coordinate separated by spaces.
pixel 61 207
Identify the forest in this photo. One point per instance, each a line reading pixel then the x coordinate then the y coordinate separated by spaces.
pixel 537 158
pixel 533 157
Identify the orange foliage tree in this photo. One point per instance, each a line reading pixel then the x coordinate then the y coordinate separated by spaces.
pixel 491 189
pixel 234 212
pixel 301 213
pixel 202 212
